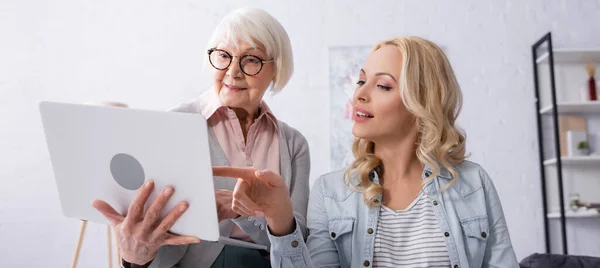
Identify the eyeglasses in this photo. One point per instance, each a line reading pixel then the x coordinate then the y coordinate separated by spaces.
pixel 249 64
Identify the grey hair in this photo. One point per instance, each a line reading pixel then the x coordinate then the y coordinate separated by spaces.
pixel 257 27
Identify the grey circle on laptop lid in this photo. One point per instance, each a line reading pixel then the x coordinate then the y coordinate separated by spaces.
pixel 127 171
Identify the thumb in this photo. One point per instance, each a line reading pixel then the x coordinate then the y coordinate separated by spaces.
pixel 270 177
pixel 108 211
pixel 240 185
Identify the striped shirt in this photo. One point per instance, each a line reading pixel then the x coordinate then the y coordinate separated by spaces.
pixel 410 237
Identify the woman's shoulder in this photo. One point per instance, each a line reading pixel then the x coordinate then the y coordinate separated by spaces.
pixel 293 136
pixel 472 177
pixel 190 106
pixel 289 132
pixel 333 184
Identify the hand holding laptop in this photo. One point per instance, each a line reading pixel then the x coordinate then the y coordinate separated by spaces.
pixel 140 235
pixel 109 153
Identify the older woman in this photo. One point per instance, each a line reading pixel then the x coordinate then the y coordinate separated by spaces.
pixel 249 53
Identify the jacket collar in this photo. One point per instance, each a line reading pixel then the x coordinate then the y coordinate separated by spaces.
pixel 427 171
pixel 444 173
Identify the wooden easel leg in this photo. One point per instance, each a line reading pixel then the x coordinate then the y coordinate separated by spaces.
pixel 118 255
pixel 109 246
pixel 117 251
pixel 79 241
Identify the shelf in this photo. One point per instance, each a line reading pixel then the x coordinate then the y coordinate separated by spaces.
pixel 575 160
pixel 571 59
pixel 570 214
pixel 591 55
pixel 587 107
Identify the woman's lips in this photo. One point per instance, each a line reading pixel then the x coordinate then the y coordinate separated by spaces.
pixel 361 115
pixel 234 88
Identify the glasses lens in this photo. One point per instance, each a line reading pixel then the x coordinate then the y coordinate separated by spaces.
pixel 220 59
pixel 250 65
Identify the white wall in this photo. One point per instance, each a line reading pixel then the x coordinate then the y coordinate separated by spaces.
pixel 148 54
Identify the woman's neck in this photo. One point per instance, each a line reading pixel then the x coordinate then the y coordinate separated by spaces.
pixel 401 177
pixel 246 118
pixel 399 159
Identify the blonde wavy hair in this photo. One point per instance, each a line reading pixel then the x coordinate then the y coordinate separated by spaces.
pixel 430 92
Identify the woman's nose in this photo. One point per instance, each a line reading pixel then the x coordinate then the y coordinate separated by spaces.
pixel 234 68
pixel 361 94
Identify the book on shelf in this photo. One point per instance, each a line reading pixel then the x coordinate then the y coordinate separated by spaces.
pixel 568 123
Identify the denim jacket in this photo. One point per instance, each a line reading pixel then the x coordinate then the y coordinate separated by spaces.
pixel 342 228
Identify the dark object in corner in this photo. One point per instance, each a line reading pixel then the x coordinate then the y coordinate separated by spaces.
pixel 537 260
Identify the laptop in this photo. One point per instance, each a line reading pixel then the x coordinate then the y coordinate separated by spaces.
pixel 107 153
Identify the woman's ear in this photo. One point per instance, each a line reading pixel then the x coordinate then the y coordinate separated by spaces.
pixel 272 84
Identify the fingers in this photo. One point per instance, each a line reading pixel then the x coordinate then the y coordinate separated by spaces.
pixel 180 240
pixel 249 174
pixel 270 177
pixel 244 206
pixel 235 172
pixel 220 192
pixel 152 216
pixel 109 212
pixel 136 208
pixel 168 222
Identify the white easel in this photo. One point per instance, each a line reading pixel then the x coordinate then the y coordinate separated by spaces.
pixel 108 227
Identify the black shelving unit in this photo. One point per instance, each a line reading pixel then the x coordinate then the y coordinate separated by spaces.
pixel 535 49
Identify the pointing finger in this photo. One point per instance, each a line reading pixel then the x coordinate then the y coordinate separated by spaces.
pixel 235 172
pixel 249 174
pixel 270 177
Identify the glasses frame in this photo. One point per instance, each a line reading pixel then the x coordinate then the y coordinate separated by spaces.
pixel 262 62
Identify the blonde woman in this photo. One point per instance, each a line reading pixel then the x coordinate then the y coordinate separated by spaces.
pixel 248 54
pixel 409 199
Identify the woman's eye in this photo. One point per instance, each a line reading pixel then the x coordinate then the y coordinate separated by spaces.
pixel 253 60
pixel 386 88
pixel 360 83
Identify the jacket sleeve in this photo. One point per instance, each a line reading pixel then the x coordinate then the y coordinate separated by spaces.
pixel 168 256
pixel 318 251
pixel 499 251
pixel 299 191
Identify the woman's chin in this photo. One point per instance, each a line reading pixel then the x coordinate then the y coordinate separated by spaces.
pixel 234 100
pixel 360 132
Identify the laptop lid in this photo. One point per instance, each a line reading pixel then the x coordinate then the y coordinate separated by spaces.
pixel 107 153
